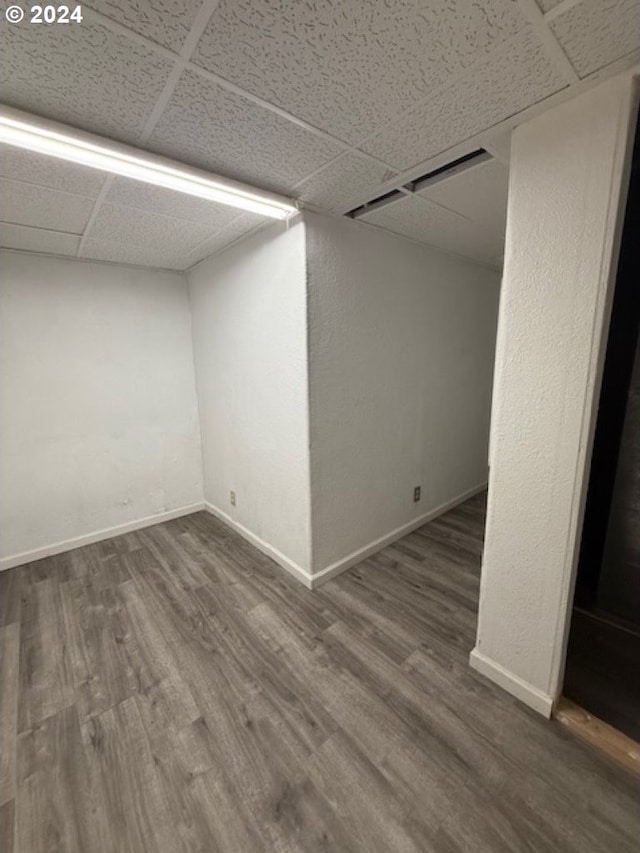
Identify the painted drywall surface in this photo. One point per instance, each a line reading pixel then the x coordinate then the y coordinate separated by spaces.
pixel 98 411
pixel 401 353
pixel 564 195
pixel 250 348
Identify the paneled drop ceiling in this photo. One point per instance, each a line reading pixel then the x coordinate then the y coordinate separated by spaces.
pixel 333 102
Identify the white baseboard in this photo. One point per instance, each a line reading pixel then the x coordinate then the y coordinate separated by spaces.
pixel 97 536
pixel 522 690
pixel 324 575
pixel 293 568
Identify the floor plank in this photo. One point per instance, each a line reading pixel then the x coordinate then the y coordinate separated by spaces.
pixel 174 690
pixel 9 658
pixel 7 826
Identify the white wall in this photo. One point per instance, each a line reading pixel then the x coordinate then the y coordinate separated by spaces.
pixel 250 346
pixel 98 411
pixel 402 343
pixel 564 194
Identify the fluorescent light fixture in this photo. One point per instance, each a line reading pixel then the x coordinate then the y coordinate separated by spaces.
pixel 35 134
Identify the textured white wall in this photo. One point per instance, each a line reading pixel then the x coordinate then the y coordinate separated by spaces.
pixel 98 410
pixel 564 193
pixel 402 342
pixel 250 346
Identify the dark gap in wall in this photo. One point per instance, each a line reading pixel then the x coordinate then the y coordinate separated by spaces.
pixel 604 640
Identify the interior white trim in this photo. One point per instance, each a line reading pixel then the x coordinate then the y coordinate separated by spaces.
pixel 324 575
pixel 97 536
pixel 522 690
pixel 293 568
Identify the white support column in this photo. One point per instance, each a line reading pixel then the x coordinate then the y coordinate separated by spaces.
pixel 567 189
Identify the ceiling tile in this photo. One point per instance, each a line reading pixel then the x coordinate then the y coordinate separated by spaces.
pixel 344 65
pixel 167 22
pixel 48 172
pixel 117 224
pixel 597 32
pixel 344 182
pixel 225 133
pixel 420 220
pixel 516 76
pixel 479 193
pixel 81 74
pixel 28 204
pixel 38 239
pixel 242 226
pixel 153 199
pixel 143 256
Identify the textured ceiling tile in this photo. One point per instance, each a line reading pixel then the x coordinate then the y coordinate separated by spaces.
pixel 48 172
pixel 81 74
pixel 166 22
pixel 513 78
pixel 597 32
pixel 242 226
pixel 343 183
pixel 478 193
pixel 38 239
pixel 225 133
pixel 117 224
pixel 344 65
pixel 142 256
pixel 28 204
pixel 152 199
pixel 546 5
pixel 420 220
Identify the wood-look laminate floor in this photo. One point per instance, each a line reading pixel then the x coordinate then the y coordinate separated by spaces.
pixel 173 690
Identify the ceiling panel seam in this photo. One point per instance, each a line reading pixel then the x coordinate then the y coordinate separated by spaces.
pixel 549 42
pixel 96 208
pixel 324 166
pixel 39 228
pixel 227 85
pixel 562 7
pixel 215 233
pixel 624 63
pixel 189 45
pixel 43 187
pixel 444 87
pixel 92 16
pixel 193 37
pixel 226 246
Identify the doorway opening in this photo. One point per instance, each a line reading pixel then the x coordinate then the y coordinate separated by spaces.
pixel 603 651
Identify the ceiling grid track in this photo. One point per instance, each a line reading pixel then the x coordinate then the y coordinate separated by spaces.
pixel 410 188
pixel 225 84
pixel 550 43
pixel 529 9
pixel 560 9
pixel 482 137
pixel 379 162
pixel 202 19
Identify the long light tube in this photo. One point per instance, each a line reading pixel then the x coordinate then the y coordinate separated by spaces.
pixel 81 148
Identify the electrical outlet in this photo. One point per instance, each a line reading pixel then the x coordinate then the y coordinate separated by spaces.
pixel 416 494
pixel 232 498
